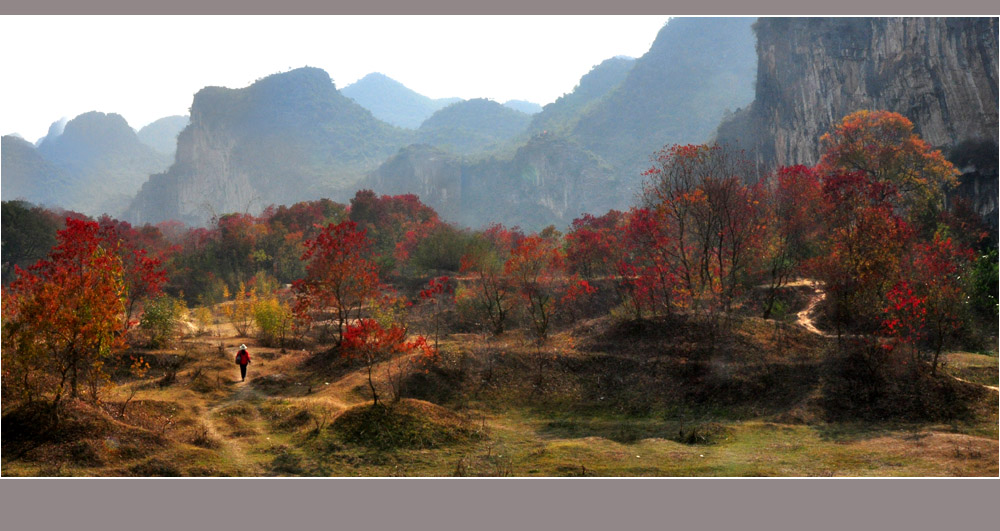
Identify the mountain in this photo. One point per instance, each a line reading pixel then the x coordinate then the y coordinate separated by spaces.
pixel 526 107
pixel 474 125
pixel 55 129
pixel 161 135
pixel 288 137
pixel 594 85
pixel 696 70
pixel 584 152
pixel 941 73
pixel 392 102
pixel 27 175
pixel 548 180
pixel 93 164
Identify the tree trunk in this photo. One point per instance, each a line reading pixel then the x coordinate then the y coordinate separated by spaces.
pixel 72 381
pixel 372 384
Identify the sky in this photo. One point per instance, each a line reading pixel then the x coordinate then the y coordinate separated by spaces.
pixel 146 68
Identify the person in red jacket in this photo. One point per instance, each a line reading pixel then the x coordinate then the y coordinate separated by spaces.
pixel 243 359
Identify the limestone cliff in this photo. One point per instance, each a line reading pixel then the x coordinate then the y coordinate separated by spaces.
pixel 941 73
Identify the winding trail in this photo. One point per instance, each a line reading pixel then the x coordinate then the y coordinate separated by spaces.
pixel 805 320
pixel 804 317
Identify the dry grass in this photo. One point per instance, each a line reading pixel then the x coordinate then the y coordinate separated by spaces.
pixel 667 398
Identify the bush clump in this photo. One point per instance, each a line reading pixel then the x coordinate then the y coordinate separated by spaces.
pixel 405 424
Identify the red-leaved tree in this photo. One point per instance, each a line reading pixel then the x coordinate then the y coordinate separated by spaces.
pixel 439 293
pixel 62 317
pixel 536 269
pixel 935 274
pixel 339 275
pixel 370 342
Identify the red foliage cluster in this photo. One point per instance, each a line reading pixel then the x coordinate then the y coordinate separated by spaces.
pixel 63 317
pixel 339 274
pixel 370 342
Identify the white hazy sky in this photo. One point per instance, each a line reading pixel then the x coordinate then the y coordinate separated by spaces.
pixel 145 68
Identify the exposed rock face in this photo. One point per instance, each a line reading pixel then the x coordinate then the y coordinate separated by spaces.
pixel 941 73
pixel 288 137
pixel 549 180
pixel 977 160
pixel 435 175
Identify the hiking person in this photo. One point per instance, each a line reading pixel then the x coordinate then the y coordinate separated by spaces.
pixel 243 359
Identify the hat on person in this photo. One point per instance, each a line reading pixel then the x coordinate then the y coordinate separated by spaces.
pixel 243 347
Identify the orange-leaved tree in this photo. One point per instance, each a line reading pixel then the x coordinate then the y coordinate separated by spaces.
pixel 883 146
pixel 536 269
pixel 62 317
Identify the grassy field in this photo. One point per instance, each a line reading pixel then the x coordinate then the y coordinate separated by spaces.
pixel 977 368
pixel 593 403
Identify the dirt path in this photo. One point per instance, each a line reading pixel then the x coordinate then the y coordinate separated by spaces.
pixel 804 317
pixel 990 387
pixel 232 447
pixel 805 320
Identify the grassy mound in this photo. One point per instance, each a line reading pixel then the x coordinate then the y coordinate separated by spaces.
pixel 77 435
pixel 406 424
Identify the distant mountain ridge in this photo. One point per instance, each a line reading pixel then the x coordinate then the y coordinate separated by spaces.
pixel 696 70
pixel 472 126
pixel 161 134
pixel 94 165
pixel 527 107
pixel 594 85
pixel 585 152
pixel 27 175
pixel 392 102
pixel 287 137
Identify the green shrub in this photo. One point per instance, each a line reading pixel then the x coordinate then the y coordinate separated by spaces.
pixel 160 319
pixel 274 321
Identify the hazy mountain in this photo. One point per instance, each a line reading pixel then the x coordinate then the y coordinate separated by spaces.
pixel 93 163
pixel 287 137
pixel 472 126
pixel 548 180
pixel 526 107
pixel 27 175
pixel 161 135
pixel 392 102
pixel 601 80
pixel 696 70
pixel 55 129
pixel 589 146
